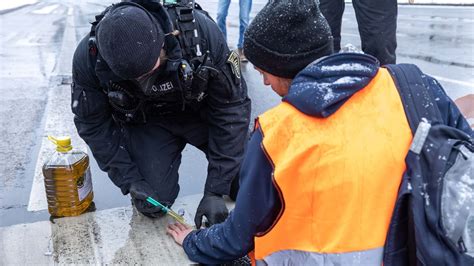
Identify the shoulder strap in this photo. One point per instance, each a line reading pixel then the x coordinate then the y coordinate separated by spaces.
pixel 417 99
pixel 184 21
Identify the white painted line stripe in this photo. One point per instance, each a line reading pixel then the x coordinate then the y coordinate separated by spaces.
pixel 37 200
pixel 459 82
pixel 446 6
pixel 63 67
pixel 358 36
pixel 46 10
pixel 59 121
pixel 350 34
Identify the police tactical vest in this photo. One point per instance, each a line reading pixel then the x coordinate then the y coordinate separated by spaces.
pixel 178 85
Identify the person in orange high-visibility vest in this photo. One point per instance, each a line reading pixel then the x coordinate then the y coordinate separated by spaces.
pixel 322 169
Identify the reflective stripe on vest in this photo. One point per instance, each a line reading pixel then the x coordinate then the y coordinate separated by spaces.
pixel 372 257
pixel 338 176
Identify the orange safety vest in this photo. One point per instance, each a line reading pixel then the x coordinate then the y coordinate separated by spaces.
pixel 338 178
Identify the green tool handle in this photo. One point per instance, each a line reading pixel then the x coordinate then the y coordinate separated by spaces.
pixel 167 210
pixel 158 204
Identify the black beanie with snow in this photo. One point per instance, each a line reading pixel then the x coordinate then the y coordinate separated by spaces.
pixel 286 36
pixel 129 39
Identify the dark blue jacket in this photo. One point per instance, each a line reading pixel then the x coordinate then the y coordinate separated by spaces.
pixel 318 90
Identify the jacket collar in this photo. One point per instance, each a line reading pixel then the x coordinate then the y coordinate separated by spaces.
pixel 325 85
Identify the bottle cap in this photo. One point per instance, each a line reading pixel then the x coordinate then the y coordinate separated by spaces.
pixel 63 144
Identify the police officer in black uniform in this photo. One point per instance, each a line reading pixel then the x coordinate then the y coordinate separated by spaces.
pixel 150 78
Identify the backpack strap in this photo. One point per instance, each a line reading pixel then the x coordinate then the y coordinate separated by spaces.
pixel 418 101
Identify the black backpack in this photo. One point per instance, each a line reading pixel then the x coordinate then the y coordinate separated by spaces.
pixel 435 201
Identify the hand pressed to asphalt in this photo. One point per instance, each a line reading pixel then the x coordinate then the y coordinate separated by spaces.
pixel 178 232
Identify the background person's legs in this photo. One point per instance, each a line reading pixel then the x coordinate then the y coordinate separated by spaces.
pixel 333 11
pixel 222 10
pixel 244 17
pixel 377 21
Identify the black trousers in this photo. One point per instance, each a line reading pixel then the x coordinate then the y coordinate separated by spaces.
pixel 377 22
pixel 156 148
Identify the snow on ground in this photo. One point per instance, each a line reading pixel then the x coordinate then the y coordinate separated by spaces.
pixel 9 4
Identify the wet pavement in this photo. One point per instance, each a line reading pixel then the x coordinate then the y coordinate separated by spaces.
pixel 112 236
pixel 36 47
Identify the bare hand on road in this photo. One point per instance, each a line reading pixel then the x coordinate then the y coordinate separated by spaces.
pixel 178 232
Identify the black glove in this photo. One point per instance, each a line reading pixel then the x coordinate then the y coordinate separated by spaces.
pixel 147 209
pixel 213 207
pixel 140 191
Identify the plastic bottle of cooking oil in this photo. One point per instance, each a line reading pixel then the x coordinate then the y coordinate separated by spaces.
pixel 67 179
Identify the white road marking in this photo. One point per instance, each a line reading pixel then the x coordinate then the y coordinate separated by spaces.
pixel 59 122
pixel 438 5
pixel 46 10
pixel 458 82
pixel 59 119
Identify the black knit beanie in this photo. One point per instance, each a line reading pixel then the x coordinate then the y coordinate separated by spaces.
pixel 287 35
pixel 129 39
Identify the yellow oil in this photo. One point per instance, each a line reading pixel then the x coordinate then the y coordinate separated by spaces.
pixel 65 185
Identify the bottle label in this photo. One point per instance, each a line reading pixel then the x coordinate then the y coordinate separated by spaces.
pixel 84 184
